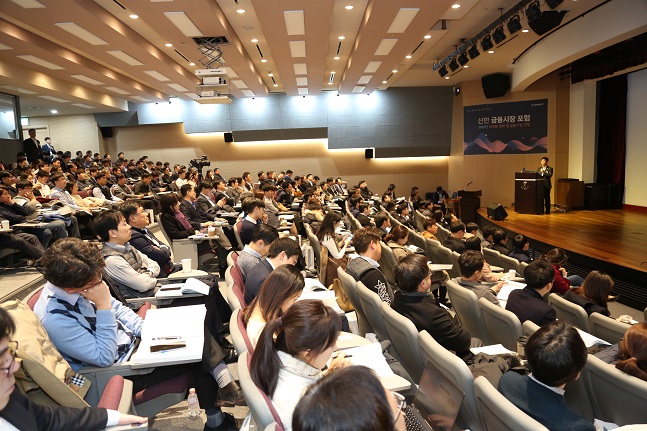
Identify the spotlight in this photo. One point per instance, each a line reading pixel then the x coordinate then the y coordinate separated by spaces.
pixel 453 65
pixel 463 59
pixel 553 3
pixel 486 43
pixel 533 11
pixel 499 35
pixel 443 71
pixel 514 24
pixel 473 52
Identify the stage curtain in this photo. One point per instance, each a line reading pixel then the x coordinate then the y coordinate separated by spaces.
pixel 612 128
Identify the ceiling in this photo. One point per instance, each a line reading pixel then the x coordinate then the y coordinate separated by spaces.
pixel 90 56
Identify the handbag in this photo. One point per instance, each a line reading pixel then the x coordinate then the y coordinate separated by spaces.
pixel 340 296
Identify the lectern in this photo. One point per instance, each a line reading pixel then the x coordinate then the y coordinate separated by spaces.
pixel 528 193
pixel 470 201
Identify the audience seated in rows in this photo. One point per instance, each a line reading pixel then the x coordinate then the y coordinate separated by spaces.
pixel 362 215
pixel 563 282
pixel 471 264
pixel 291 352
pixel 454 241
pixel 397 240
pixel 500 242
pixel 528 303
pixel 474 244
pixel 175 224
pixel 594 293
pixel 365 267
pixel 382 223
pixel 430 229
pixel 520 249
pixel 255 210
pixel 258 247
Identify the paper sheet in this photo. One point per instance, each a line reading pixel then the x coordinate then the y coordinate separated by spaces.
pixel 508 287
pixel 591 340
pixel 370 356
pixel 494 349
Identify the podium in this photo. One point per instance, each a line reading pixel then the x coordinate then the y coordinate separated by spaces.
pixel 528 193
pixel 469 202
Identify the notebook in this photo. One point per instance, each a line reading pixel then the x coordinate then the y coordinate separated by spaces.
pixel 437 402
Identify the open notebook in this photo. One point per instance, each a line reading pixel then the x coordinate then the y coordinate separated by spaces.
pixel 190 286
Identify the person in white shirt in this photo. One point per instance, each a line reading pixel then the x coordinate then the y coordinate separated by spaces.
pixel 42 178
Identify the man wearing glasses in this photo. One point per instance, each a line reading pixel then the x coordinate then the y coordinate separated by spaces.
pixel 18 412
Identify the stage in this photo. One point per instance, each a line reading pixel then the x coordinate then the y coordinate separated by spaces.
pixel 613 241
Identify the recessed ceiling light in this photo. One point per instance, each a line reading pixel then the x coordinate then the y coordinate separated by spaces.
pixel 383 82
pixel 408 56
pixel 330 83
pixel 168 45
pixel 133 16
pixel 192 64
pixel 270 74
pixel 349 7
pixel 263 61
pixel 455 6
pixel 54 111
pixel 341 37
pixel 466 66
pixel 240 10
pixel 490 52
pixel 276 85
pixel 336 58
pixel 254 40
pixel 427 36
pixel 394 71
pixel 447 77
pixel 525 30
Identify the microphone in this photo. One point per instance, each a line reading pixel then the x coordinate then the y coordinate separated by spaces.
pixel 523 169
pixel 468 184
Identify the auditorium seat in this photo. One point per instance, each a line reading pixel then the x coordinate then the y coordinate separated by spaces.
pixel 569 312
pixel 465 303
pixel 404 336
pixel 502 326
pixel 349 285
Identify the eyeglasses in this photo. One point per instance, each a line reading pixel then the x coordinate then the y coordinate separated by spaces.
pixel 12 348
pixel 402 404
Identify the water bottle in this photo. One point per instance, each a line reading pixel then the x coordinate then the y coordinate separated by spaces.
pixel 194 404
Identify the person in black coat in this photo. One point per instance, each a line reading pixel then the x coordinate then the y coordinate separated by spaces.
pixel 528 303
pixel 415 301
pixel 23 414
pixel 32 147
pixel 546 172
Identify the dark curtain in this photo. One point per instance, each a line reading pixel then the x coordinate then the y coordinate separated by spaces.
pixel 612 129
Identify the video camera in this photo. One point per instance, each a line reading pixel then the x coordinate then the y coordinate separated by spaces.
pixel 200 163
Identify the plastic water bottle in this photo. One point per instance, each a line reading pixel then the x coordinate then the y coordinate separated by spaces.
pixel 194 404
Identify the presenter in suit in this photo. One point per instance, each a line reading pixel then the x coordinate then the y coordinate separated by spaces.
pixel 547 172
pixel 33 150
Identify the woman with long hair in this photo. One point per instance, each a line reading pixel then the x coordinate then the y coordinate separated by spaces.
pixel 397 240
pixel 176 225
pixel 278 293
pixel 334 244
pixel 593 295
pixel 633 351
pixel 563 282
pixel 291 352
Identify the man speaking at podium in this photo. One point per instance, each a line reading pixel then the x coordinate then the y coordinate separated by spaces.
pixel 546 171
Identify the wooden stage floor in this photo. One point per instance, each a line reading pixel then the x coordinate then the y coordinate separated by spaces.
pixel 618 237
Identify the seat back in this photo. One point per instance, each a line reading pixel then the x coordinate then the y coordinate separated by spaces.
pixel 645 315
pixel 238 332
pixel 522 268
pixel 232 298
pixel 229 279
pixel 418 240
pixel 419 219
pixel 260 405
pixel 508 263
pixel 232 257
pixel 433 250
pixel 445 256
pixel 528 328
pixel 497 413
pixel 610 330
pixel 455 257
pixel 457 371
pixel 502 326
pixel 237 228
pixel 350 287
pixel 33 297
pixel 387 263
pixel 168 239
pixel 371 304
pixel 404 336
pixel 466 305
pixel 569 312
pixel 617 397
pixel 238 294
pixel 314 243
pixel 492 257
pixel 180 249
pixel 442 233
pixel 237 276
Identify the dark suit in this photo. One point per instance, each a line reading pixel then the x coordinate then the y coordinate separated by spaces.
pixel 33 149
pixel 364 220
pixel 26 415
pixel 528 304
pixel 247 228
pixel 426 315
pixel 173 227
pixel 455 244
pixel 255 278
pixel 542 404
pixel 194 213
pixel 546 174
pixel 144 241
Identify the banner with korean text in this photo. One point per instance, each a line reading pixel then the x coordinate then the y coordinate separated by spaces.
pixel 506 128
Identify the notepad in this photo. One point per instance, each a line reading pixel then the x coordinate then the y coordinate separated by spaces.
pixel 494 349
pixel 190 286
pixel 508 287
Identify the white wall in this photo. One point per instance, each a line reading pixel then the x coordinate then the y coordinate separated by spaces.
pixel 581 133
pixel 636 138
pixel 69 132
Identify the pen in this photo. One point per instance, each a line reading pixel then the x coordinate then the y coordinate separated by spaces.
pixel 167 338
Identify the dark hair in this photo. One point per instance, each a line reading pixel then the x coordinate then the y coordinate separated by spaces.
pixel 282 284
pixel 633 351
pixel 307 326
pixel 519 241
pixel 397 233
pixel 380 218
pixel 410 271
pixel 556 353
pixel 7 325
pixel 499 235
pixel 55 178
pixel 363 237
pixel 363 206
pixel 470 262
pixel 249 205
pixel 457 226
pixel 428 223
pixel 327 227
pixel 42 173
pixel 203 185
pixel 545 158
pixel 471 227
pixel 267 233
pixel 596 287
pixel 24 184
pixel 487 231
pixel 556 256
pixel 349 398
pixel 69 186
pixel 354 200
pixel 167 202
pixel 438 216
pixel 288 245
pixel 128 209
pixel 106 221
pixel 473 243
pixel 538 274
pixel 185 189
pixel 71 263
pixel 401 208
pixel 146 175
